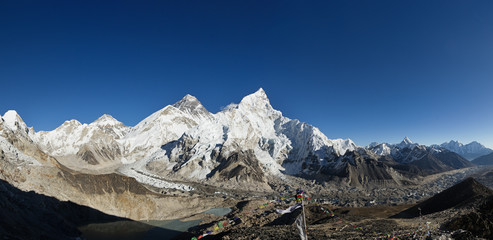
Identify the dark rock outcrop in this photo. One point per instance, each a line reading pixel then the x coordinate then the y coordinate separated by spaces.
pixel 462 194
pixel 479 223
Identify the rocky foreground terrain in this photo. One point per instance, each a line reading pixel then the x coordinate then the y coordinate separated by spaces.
pixel 463 211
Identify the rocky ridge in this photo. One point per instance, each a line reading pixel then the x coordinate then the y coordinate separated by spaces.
pixel 463 194
pixel 85 147
pixel 420 158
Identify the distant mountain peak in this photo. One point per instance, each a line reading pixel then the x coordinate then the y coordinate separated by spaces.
pixel 260 91
pixel 476 143
pixel 381 149
pixel 12 120
pixel 105 117
pixel 455 143
pixel 257 99
pixel 72 122
pixel 470 151
pixel 185 99
pixel 407 141
pixel 10 113
pixel 10 116
pixel 191 104
pixel 106 120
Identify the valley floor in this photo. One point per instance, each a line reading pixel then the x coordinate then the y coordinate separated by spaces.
pixel 324 222
pixel 257 218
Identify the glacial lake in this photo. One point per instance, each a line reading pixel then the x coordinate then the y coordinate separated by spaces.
pixel 143 230
pixel 218 211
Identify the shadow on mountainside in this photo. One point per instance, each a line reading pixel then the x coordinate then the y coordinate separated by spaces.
pixel 28 215
pixel 478 222
pixel 462 194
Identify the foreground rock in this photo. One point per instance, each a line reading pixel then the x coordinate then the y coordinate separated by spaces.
pixel 479 221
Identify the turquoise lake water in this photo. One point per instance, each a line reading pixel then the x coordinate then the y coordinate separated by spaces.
pixel 144 230
pixel 218 211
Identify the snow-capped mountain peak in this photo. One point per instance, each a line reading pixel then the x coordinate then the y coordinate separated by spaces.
pixel 69 124
pixel 165 125
pixel 13 121
pixel 106 121
pixel 382 149
pixel 191 105
pixel 10 115
pixel 406 143
pixel 453 143
pixel 405 151
pixel 256 100
pixel 187 102
pixel 85 146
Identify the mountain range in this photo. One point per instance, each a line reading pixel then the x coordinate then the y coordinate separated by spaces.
pixel 469 151
pixel 249 144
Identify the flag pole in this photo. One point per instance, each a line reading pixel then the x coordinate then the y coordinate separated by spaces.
pixel 304 220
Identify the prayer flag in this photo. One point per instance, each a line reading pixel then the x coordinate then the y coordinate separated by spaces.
pixel 289 210
pixel 300 226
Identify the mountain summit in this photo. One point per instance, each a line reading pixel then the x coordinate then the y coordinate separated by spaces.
pixel 13 121
pixel 192 105
pixel 106 121
pixel 258 99
pixel 406 143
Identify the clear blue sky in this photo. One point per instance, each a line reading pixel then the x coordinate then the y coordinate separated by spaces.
pixel 365 70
